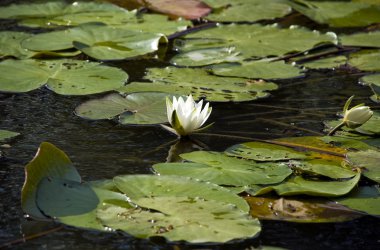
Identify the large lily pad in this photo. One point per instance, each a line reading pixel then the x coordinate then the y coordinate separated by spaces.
pixel 255 40
pixel 369 39
pixel 369 161
pixel 366 199
pixel 141 186
pixel 65 77
pixel 366 60
pixel 6 134
pixel 200 84
pixel 262 69
pixel 225 170
pixel 261 151
pixel 49 162
pixel 298 210
pixel 181 218
pixel 98 41
pixel 135 108
pixel 326 63
pixel 339 14
pixel 298 185
pixel 10 44
pixel 246 11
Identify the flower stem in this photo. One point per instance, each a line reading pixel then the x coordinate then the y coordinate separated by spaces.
pixel 336 128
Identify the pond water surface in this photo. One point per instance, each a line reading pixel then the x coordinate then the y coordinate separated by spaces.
pixel 104 149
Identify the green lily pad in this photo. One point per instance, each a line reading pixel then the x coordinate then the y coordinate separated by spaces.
pixel 322 167
pixel 141 186
pixel 326 63
pixel 206 57
pixel 225 170
pixel 346 143
pixel 254 40
pixel 299 210
pixel 65 77
pixel 368 39
pixel 6 134
pixel 10 45
pixel 135 108
pixel 98 41
pixel 49 162
pixel 373 81
pixel 183 81
pixel 194 220
pixel 261 151
pixel 366 60
pixel 338 14
pixel 299 185
pixel 262 69
pixel 366 199
pixel 247 11
pixel 369 161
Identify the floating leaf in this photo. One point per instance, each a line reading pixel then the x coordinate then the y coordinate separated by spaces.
pixel 299 210
pixel 65 77
pixel 299 185
pixel 181 218
pixel 247 11
pixel 373 81
pixel 224 170
pixel 206 56
pixel 10 44
pixel 338 14
pixel 346 143
pixel 368 39
pixel 98 41
pixel 326 63
pixel 261 151
pixel 369 161
pixel 254 40
pixel 5 134
pixel 141 186
pixel 135 108
pixel 183 81
pixel 49 162
pixel 366 60
pixel 366 199
pixel 326 168
pixel 262 69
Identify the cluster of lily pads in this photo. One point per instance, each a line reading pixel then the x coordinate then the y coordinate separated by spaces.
pixel 207 196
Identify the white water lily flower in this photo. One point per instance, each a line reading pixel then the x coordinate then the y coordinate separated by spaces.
pixel 186 117
pixel 354 117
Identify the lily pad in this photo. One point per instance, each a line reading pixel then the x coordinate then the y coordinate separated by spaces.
pixel 135 108
pixel 261 69
pixel 65 77
pixel 373 81
pixel 326 168
pixel 49 162
pixel 98 41
pixel 183 81
pixel 206 57
pixel 366 199
pixel 338 14
pixel 6 134
pixel 369 161
pixel 326 63
pixel 225 170
pixel 368 39
pixel 247 11
pixel 298 185
pixel 141 186
pixel 10 45
pixel 299 210
pixel 194 220
pixel 255 40
pixel 261 151
pixel 366 60
pixel 346 143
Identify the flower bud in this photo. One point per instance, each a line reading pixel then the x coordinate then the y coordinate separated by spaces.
pixel 357 116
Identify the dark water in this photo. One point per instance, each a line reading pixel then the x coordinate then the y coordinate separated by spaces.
pixel 103 149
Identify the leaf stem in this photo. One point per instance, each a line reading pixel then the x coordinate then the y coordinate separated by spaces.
pixel 336 128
